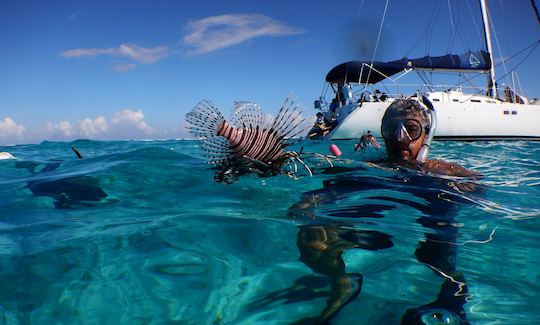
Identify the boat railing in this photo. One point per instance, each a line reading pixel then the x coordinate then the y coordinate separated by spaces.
pixel 380 92
pixel 369 92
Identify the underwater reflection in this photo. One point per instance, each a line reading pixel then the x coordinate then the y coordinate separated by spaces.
pixel 67 192
pixel 334 215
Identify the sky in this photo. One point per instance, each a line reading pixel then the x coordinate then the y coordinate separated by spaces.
pixel 111 70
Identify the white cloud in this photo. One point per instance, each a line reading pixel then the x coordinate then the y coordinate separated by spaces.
pixel 63 128
pixel 125 124
pixel 89 127
pixel 10 131
pixel 217 32
pixel 132 119
pixel 132 52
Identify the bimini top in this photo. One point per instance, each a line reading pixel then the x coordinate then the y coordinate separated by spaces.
pixel 371 73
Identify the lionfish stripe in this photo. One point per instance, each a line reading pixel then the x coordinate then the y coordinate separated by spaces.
pixel 250 143
pixel 275 148
pixel 263 145
pixel 267 145
pixel 252 146
pixel 237 140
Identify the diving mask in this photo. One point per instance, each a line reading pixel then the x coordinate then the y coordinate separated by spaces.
pixel 407 130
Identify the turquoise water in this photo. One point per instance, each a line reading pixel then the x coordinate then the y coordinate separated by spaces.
pixel 139 233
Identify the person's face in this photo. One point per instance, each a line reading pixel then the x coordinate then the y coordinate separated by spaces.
pixel 403 137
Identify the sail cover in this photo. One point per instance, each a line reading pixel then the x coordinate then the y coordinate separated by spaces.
pixel 364 72
pixel 371 73
pixel 468 62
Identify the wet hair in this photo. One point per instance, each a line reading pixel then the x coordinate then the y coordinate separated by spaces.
pixel 407 108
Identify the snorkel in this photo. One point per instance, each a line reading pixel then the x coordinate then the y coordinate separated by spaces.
pixel 430 132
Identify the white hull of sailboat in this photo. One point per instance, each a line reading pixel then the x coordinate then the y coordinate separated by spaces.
pixel 455 121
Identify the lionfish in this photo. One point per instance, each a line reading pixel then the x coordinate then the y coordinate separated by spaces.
pixel 247 144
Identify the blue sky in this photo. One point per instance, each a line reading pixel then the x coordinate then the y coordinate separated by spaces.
pixel 133 69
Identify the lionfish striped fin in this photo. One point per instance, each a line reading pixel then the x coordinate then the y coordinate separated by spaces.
pixel 246 115
pixel 204 119
pixel 216 150
pixel 288 122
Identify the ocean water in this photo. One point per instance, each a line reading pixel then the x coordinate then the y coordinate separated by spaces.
pixel 139 233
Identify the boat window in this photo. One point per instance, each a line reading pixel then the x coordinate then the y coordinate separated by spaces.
pixel 506 112
pixel 455 100
pixel 436 100
pixel 476 100
pixel 514 112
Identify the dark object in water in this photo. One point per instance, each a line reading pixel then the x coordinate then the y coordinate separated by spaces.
pixel 334 221
pixel 76 151
pixel 247 144
pixel 67 192
pixel 70 191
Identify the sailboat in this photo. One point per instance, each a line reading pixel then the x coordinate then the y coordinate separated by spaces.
pixel 461 114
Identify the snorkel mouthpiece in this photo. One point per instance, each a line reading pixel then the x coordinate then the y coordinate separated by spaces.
pixel 424 150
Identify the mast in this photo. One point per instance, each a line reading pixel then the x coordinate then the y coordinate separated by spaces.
pixel 492 85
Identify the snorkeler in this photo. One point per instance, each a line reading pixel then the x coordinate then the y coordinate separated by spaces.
pixel 246 144
pixel 367 140
pixel 408 127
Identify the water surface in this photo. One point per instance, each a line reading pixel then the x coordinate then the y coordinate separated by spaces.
pixel 138 232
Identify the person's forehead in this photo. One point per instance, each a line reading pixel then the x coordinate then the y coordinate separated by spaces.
pixel 405 115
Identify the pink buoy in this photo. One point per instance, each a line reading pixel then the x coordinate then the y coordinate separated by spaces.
pixel 335 150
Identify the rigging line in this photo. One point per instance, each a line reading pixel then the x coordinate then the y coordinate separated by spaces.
pixel 452 28
pixel 360 9
pixel 535 10
pixel 456 15
pixel 533 44
pixel 465 35
pixel 497 40
pixel 378 38
pixel 518 84
pixel 474 21
pixel 415 43
pixel 461 33
pixel 424 34
pixel 523 60
pixel 432 27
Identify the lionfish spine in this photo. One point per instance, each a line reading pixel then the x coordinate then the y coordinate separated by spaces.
pixel 204 119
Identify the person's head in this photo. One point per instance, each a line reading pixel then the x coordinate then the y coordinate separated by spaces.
pixel 319 114
pixel 404 127
pixel 367 140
